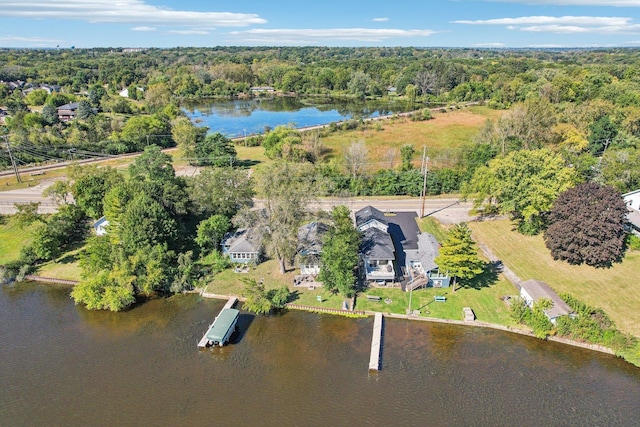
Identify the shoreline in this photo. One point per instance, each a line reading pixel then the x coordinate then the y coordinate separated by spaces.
pixel 358 313
pixel 479 324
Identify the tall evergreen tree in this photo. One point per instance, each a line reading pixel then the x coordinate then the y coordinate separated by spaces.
pixel 459 256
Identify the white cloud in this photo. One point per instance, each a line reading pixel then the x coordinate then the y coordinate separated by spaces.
pixel 615 3
pixel 549 20
pixel 489 45
pixel 380 19
pixel 189 32
pixel 143 29
pixel 123 11
pixel 563 24
pixel 36 41
pixel 310 36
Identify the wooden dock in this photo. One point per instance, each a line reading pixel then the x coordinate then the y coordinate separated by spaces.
pixel 376 341
pixel 204 341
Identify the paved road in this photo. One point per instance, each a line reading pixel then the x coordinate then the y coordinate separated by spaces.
pixel 446 210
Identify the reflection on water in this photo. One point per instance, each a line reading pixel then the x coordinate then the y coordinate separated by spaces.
pixel 245 117
pixel 63 365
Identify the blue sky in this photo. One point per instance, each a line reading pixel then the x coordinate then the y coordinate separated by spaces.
pixel 423 23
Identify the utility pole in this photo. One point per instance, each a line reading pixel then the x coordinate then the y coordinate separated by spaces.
pixel 13 161
pixel 424 169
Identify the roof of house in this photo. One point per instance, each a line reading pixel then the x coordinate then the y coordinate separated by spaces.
pixel 70 106
pixel 376 244
pixel 101 221
pixel 428 249
pixel 630 193
pixel 310 237
pixel 242 241
pixel 369 213
pixel 538 289
pixel 404 229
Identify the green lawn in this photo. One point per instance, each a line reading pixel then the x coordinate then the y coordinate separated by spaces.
pixel 486 302
pixel 616 290
pixel 12 238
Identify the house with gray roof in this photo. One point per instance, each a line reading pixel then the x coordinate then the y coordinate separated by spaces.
pixel 241 246
pixel 67 112
pixel 394 248
pixel 310 247
pixel 534 290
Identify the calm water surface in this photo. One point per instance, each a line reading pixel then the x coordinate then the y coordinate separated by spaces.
pixel 245 117
pixel 61 365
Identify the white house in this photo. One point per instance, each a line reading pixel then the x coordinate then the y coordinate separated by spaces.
pixel 241 246
pixel 632 199
pixel 533 290
pixel 100 226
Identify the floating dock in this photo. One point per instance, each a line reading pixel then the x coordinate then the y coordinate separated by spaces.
pixel 222 327
pixel 376 340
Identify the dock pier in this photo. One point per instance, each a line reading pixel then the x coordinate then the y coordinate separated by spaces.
pixel 218 335
pixel 376 341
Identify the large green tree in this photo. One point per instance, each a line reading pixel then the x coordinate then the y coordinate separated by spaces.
pixel 215 150
pixel 221 191
pixel 586 225
pixel 523 184
pixel 284 190
pixel 340 254
pixel 458 255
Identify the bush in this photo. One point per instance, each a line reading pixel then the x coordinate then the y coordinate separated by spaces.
pixel 633 242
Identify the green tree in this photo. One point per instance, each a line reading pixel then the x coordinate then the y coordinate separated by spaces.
pixel 84 110
pixel 49 114
pixel 221 191
pixel 523 184
pixel 458 255
pixel 359 84
pixel 142 131
pixel 285 189
pixel 146 223
pixel 153 165
pixel 211 231
pixel 602 133
pixel 36 97
pixel 187 137
pixel 105 291
pixel 215 150
pixel 340 254
pixel 90 186
pixel 261 301
pixel 406 154
pixel 187 273
pixel 283 143
pixel 587 225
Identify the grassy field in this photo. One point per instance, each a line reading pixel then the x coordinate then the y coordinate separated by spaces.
pixel 616 290
pixel 445 133
pixel 12 238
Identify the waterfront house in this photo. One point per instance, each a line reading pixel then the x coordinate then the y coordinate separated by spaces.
pixel 632 199
pixel 377 252
pixel 259 89
pixel 310 247
pixel 241 246
pixel 100 226
pixel 394 248
pixel 534 290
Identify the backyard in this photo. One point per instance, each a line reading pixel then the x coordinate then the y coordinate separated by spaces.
pixel 616 290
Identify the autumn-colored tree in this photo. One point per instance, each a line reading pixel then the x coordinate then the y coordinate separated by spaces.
pixel 586 225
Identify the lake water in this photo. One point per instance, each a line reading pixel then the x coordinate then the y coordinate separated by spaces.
pixel 61 365
pixel 235 118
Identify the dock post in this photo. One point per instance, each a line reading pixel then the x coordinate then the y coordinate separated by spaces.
pixel 374 360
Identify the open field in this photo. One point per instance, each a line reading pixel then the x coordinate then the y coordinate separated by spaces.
pixel 615 290
pixel 12 238
pixel 445 133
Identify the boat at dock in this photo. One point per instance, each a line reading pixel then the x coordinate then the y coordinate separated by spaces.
pixel 221 329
